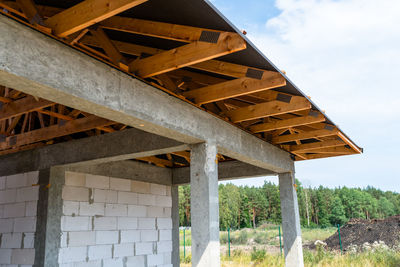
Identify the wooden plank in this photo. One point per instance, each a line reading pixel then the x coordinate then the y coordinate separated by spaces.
pixel 62 129
pixel 21 106
pixel 334 150
pixel 235 88
pixel 157 29
pixel 30 11
pixel 303 136
pixel 282 124
pixel 21 148
pixel 319 156
pixel 267 109
pixel 87 13
pixel 349 142
pixel 187 55
pixel 183 154
pixel 157 161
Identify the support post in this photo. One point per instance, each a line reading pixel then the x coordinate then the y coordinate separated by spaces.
pixel 175 226
pixel 204 205
pixel 290 221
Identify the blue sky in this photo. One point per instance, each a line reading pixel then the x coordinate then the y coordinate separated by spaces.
pixel 345 54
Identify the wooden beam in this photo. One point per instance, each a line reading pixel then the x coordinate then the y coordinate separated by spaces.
pixel 302 136
pixel 283 124
pixel 21 106
pixel 235 88
pixel 319 156
pixel 187 55
pixel 157 161
pixel 334 150
pixel 311 146
pixel 87 13
pixel 62 129
pixel 183 154
pixel 267 109
pixel 349 142
pixel 157 29
pixel 30 11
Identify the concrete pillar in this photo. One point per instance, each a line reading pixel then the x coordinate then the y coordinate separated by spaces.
pixel 204 205
pixel 175 226
pixel 290 221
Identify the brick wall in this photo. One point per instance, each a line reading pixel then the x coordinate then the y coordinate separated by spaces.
pixel 18 204
pixel 111 222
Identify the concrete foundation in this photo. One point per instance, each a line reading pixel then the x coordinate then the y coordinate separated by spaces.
pixel 290 221
pixel 204 205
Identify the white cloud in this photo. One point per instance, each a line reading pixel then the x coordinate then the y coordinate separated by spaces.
pixel 346 55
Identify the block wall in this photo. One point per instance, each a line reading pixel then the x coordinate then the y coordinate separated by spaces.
pixel 18 205
pixel 111 222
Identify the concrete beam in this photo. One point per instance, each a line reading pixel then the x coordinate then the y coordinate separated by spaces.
pixel 290 221
pixel 228 170
pixel 175 226
pixel 117 146
pixel 204 206
pixel 128 169
pixel 36 64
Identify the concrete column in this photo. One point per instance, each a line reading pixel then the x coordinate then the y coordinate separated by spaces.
pixel 290 221
pixel 175 226
pixel 204 205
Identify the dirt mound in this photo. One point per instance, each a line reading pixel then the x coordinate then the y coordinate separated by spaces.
pixel 358 231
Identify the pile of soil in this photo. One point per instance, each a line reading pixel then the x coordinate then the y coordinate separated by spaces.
pixel 358 231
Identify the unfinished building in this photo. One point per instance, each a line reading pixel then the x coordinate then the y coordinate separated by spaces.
pixel 107 106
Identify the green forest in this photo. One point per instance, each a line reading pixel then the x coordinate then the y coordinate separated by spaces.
pixel 246 207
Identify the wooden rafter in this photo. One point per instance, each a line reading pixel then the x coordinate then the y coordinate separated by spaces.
pixel 87 13
pixel 268 109
pixel 187 55
pixel 303 136
pixel 47 133
pixel 21 106
pixel 235 88
pixel 283 124
pixel 157 161
pixel 334 150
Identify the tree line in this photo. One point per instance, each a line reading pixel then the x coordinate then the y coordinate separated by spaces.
pixel 245 207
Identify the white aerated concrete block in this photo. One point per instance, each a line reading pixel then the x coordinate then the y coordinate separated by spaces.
pixel 146 223
pixel 155 260
pixel 163 201
pixel 165 235
pixel 146 199
pixel 11 240
pixel 106 237
pixel 130 236
pixel 116 210
pixel 16 181
pixel 6 225
pixel 69 223
pixel 137 261
pixel 155 212
pixel 29 240
pixel 70 207
pixel 97 181
pixel 140 187
pixel 167 212
pixel 123 250
pixel 164 247
pixel 127 223
pixel 148 235
pixel 86 209
pixel 137 211
pixel 81 238
pixel 158 189
pixel 75 193
pixel 2 182
pixel 96 263
pixel 146 248
pixel 75 179
pixel 105 196
pixel 31 208
pixel 72 254
pixel 5 256
pixel 164 223
pixel 23 256
pixel 28 193
pixel 120 184
pixel 100 252
pixel 32 178
pixel 167 258
pixel 113 262
pixel 105 223
pixel 14 210
pixel 169 190
pixel 25 224
pixel 127 198
pixel 8 196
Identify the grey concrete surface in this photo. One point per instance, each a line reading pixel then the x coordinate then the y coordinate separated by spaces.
pixel 204 205
pixel 41 66
pixel 175 226
pixel 290 221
